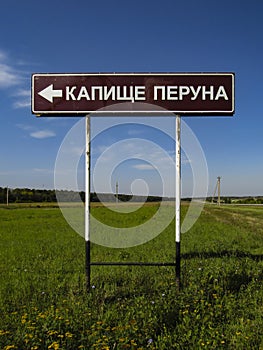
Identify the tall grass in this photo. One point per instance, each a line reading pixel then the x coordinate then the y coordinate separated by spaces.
pixel 44 303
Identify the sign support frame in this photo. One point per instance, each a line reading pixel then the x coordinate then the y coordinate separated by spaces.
pixel 177 263
pixel 178 201
pixel 87 202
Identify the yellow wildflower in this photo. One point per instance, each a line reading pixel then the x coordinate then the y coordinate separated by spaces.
pixel 2 332
pixel 54 346
pixel 69 335
pixel 52 332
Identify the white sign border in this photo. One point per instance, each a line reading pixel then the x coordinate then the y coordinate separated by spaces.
pixel 183 113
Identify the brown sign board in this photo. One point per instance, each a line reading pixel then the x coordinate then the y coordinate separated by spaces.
pixel 179 93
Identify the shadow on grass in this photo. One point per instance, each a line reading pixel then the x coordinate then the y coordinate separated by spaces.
pixel 221 254
pixel 235 280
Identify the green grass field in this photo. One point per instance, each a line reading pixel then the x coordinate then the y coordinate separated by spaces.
pixel 44 303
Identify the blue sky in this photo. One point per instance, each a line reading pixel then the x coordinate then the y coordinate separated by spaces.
pixel 137 36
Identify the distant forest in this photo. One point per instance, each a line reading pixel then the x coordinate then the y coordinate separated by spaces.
pixel 26 195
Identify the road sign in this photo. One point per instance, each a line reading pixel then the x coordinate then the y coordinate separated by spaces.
pixel 180 93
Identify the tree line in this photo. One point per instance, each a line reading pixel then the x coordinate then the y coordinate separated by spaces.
pixel 27 195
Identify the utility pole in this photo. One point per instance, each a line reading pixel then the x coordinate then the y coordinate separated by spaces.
pixel 7 196
pixel 218 186
pixel 117 192
pixel 217 189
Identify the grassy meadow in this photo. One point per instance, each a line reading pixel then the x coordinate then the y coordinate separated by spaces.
pixel 44 303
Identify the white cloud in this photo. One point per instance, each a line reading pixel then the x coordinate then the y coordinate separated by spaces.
pixel 24 98
pixel 42 134
pixel 23 92
pixel 78 151
pixel 25 127
pixel 7 173
pixel 185 160
pixel 143 166
pixel 2 55
pixel 37 134
pixel 43 171
pixel 8 77
pixel 22 104
pixel 135 132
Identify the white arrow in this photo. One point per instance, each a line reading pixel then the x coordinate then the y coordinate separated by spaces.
pixel 49 93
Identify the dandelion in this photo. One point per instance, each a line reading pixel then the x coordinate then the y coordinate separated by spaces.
pixel 54 345
pixel 24 319
pixel 51 332
pixel 30 336
pixel 69 335
pixel 150 341
pixel 93 287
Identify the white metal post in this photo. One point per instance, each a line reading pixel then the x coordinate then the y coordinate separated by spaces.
pixel 87 201
pixel 178 198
